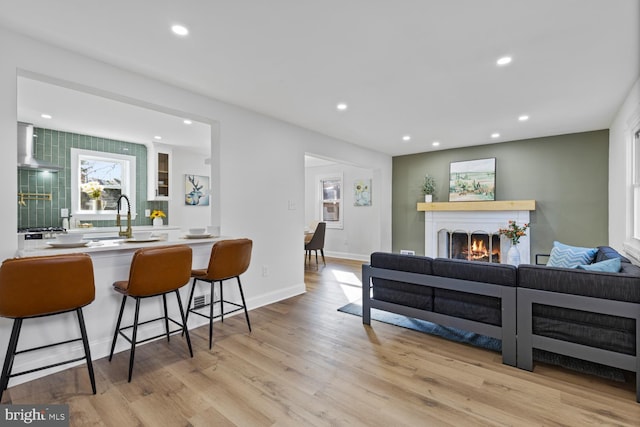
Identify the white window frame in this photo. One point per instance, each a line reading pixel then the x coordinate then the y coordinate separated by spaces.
pixel 339 224
pixel 632 243
pixel 128 183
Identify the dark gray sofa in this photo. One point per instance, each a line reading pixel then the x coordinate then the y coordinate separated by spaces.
pixel 474 296
pixel 568 316
pixel 564 316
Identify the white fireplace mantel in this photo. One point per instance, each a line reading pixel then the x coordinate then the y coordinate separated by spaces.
pixel 473 217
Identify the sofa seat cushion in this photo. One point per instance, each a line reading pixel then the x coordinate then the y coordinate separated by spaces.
pixel 468 306
pixel 497 274
pixel 623 286
pixel 612 333
pixel 411 295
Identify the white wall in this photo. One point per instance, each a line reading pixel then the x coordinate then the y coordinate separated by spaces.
pixel 358 237
pixel 257 167
pixel 191 163
pixel 620 168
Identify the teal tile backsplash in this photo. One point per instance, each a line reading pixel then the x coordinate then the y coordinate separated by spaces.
pixel 55 146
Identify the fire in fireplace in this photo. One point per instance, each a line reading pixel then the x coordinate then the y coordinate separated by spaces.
pixel 476 246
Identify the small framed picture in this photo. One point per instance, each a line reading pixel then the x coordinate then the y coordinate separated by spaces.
pixel 362 192
pixel 197 190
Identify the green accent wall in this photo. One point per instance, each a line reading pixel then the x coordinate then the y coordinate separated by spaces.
pixel 55 146
pixel 567 176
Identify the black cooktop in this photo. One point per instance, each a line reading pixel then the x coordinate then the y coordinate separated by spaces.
pixel 39 229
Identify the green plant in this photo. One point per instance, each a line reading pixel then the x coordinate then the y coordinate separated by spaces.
pixel 429 185
pixel 514 232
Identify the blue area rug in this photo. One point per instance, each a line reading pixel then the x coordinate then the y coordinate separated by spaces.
pixel 452 334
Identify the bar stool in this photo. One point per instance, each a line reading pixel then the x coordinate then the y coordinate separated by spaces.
pixel 154 271
pixel 228 260
pixel 45 286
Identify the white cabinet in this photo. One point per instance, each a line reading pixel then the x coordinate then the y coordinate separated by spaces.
pixel 158 172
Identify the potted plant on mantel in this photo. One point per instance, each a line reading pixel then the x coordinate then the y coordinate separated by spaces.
pixel 429 188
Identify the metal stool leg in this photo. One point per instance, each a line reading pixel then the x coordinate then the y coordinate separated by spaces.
pixel 166 317
pixel 211 317
pixel 11 352
pixel 244 304
pixel 221 303
pixel 193 289
pixel 133 339
pixel 87 352
pixel 115 335
pixel 184 323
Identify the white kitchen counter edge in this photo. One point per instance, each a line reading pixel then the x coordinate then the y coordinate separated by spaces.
pixel 120 246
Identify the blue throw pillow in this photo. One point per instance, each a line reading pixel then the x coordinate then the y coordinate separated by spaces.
pixel 570 256
pixel 609 266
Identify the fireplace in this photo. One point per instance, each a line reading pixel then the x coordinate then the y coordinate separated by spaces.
pixel 470 246
pixel 450 229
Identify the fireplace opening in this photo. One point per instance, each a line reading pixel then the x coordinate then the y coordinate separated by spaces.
pixel 477 246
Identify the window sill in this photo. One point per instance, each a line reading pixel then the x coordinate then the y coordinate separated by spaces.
pixel 102 216
pixel 632 249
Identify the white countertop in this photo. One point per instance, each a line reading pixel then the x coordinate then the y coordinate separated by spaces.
pixel 116 244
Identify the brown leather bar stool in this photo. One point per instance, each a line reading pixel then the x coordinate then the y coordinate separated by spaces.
pixel 228 260
pixel 154 271
pixel 45 286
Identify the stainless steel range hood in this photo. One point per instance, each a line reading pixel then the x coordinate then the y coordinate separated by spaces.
pixel 25 151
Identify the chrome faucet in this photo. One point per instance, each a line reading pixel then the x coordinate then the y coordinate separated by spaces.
pixel 127 232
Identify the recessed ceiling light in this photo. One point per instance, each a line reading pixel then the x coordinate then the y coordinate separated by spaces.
pixel 504 60
pixel 342 106
pixel 523 118
pixel 187 121
pixel 406 138
pixel 435 143
pixel 157 137
pixel 179 30
pixel 495 135
pixel 46 116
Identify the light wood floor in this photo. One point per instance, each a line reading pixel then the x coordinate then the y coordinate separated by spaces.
pixel 305 363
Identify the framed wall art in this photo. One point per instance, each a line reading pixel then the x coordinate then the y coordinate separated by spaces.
pixel 197 190
pixel 472 180
pixel 362 192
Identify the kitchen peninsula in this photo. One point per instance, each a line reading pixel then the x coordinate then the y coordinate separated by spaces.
pixel 111 256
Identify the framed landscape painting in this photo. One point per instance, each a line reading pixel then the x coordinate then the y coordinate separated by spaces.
pixel 472 180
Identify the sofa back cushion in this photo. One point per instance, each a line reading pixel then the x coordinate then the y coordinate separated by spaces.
pixel 615 286
pixel 498 274
pixel 411 295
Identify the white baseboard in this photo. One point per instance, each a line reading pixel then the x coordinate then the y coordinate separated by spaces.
pixel 345 255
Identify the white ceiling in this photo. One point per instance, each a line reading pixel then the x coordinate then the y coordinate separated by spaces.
pixel 425 68
pixel 87 114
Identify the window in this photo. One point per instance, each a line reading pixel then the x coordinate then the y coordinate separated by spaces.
pixel 114 173
pixel 330 189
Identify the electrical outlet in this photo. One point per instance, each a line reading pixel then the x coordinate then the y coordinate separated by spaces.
pixel 147 213
pixel 64 213
pixel 265 271
pixel 407 252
